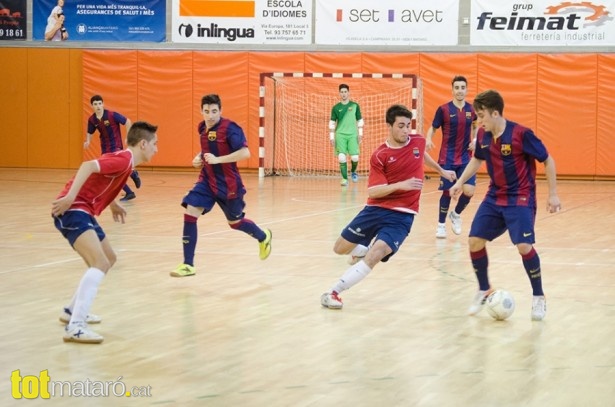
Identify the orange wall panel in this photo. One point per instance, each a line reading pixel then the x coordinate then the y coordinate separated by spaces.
pixel 605 153
pixel 165 99
pixel 43 122
pixel 567 93
pixel 333 62
pixel 76 136
pixel 112 74
pixel 48 108
pixel 14 135
pixel 516 80
pixel 390 63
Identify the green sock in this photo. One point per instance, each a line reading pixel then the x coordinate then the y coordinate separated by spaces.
pixel 344 170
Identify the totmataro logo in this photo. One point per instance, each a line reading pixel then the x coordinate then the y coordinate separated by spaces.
pixel 215 31
pixel 564 16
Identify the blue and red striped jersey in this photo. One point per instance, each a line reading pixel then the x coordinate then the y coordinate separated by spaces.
pixel 511 164
pixel 456 132
pixel 109 128
pixel 224 138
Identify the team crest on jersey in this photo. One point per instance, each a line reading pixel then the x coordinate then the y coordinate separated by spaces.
pixel 506 149
pixel 415 151
pixel 211 136
pixel 468 115
pixel 106 123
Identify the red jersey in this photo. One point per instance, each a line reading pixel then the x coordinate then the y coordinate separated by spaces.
pixel 389 165
pixel 102 188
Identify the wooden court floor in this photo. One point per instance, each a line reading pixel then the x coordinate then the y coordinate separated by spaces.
pixel 245 332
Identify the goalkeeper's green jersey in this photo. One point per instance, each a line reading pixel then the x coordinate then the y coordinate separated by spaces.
pixel 346 115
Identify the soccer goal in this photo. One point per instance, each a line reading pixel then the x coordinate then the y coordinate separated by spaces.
pixel 295 109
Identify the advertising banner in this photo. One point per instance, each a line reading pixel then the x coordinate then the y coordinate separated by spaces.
pixel 387 22
pixel 99 20
pixel 543 23
pixel 13 23
pixel 242 21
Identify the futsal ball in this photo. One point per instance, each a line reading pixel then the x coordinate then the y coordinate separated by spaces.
pixel 500 304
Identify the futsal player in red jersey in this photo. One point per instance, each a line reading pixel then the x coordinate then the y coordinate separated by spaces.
pixel 95 186
pixel 510 151
pixel 394 189
pixel 457 119
pixel 223 143
pixel 108 125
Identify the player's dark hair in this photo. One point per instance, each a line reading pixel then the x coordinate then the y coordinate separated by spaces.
pixel 344 86
pixel 489 100
pixel 141 131
pixel 95 98
pixel 459 78
pixel 396 111
pixel 211 99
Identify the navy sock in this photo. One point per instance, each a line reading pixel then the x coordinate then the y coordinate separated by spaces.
pixel 480 262
pixel 531 262
pixel 189 238
pixel 445 202
pixel 127 189
pixel 249 227
pixel 462 203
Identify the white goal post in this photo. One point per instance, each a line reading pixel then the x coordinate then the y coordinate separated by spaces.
pixel 295 109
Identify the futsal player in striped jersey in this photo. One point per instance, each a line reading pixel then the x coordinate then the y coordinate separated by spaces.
pixel 510 151
pixel 457 120
pixel 108 125
pixel 95 186
pixel 394 190
pixel 223 143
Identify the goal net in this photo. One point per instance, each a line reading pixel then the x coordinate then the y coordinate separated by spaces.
pixel 295 109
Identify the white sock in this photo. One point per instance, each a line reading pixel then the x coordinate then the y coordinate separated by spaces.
pixel 88 287
pixel 352 276
pixel 359 251
pixel 72 302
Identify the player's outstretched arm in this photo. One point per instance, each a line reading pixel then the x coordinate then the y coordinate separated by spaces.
pixel 448 174
pixel 241 154
pixel 61 205
pixel 380 191
pixel 553 202
pixel 118 212
pixel 470 170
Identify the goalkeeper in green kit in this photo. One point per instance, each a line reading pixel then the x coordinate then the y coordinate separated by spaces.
pixel 345 133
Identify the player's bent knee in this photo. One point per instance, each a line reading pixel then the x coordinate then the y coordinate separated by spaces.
pixel 475 244
pixel 469 192
pixel 104 264
pixel 342 246
pixel 524 248
pixel 341 158
pixel 354 158
pixel 112 259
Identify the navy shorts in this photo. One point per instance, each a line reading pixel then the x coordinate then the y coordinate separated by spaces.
pixel 73 224
pixel 445 184
pixel 373 222
pixel 201 197
pixel 493 220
